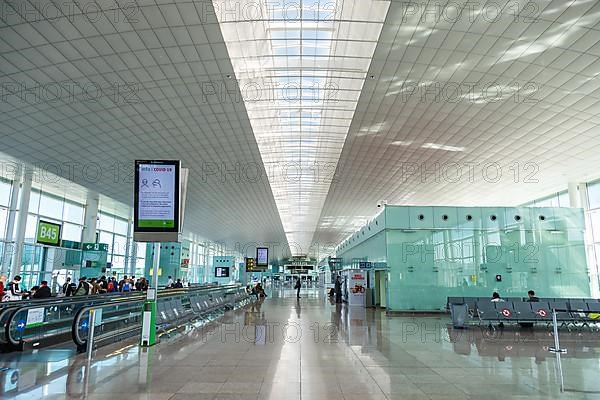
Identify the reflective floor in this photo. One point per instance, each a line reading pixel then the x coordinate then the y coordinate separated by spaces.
pixel 284 348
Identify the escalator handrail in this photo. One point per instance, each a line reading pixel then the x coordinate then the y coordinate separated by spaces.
pixel 171 293
pixel 6 310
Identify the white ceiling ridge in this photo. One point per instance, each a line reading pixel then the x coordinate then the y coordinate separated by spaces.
pixel 292 130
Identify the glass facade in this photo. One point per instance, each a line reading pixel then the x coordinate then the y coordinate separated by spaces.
pixel 435 252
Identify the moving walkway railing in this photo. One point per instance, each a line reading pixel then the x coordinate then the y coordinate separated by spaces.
pixel 55 308
pixel 50 321
pixel 116 321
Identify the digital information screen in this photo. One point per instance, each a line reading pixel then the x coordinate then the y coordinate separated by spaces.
pixel 222 272
pixel 262 256
pixel 157 196
pixel 48 233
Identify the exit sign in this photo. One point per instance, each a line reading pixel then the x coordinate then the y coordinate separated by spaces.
pixel 94 247
pixel 48 233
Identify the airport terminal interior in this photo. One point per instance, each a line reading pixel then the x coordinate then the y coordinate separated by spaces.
pixel 299 199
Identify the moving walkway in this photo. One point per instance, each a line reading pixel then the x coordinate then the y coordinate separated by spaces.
pixel 41 323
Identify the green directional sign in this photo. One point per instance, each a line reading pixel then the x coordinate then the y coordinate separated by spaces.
pixel 48 233
pixel 94 247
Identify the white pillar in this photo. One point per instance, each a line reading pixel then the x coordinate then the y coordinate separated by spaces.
pixel 574 197
pixel 21 224
pixel 91 218
pixel 10 222
pixel 130 250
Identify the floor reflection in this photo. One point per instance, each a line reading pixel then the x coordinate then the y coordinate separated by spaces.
pixel 528 343
pixel 287 348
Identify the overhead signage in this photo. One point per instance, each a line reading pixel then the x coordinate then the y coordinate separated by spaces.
pixel 48 233
pixel 364 265
pixel 222 272
pixel 94 247
pixel 158 207
pixel 335 263
pixel 252 267
pixel 262 256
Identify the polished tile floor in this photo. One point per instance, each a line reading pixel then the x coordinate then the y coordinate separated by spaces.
pixel 284 348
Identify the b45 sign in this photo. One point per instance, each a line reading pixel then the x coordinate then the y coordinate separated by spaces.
pixel 48 233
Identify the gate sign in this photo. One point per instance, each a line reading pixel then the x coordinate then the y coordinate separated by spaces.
pixel 48 233
pixel 506 312
pixel 542 313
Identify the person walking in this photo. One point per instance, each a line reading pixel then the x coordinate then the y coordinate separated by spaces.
pixel 338 290
pixel 297 287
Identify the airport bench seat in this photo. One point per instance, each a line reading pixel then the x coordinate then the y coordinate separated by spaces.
pixel 570 312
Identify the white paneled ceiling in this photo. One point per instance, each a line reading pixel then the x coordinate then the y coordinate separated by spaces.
pixel 494 103
pixel 497 106
pixel 85 95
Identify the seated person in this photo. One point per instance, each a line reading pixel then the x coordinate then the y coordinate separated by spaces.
pixel 496 298
pixel 531 297
pixel 43 292
pixel 260 291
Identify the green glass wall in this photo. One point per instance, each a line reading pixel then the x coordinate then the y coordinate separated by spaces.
pixel 436 252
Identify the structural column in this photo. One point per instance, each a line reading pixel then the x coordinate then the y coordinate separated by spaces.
pixel 10 222
pixel 21 224
pixel 130 250
pixel 91 218
pixel 574 196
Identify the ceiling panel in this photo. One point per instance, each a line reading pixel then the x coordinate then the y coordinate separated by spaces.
pixel 132 90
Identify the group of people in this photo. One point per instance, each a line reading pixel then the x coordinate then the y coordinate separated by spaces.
pixel 13 291
pixel 174 285
pixel 257 290
pixel 103 285
pixel 531 297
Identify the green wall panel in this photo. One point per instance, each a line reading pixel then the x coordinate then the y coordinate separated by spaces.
pixel 433 258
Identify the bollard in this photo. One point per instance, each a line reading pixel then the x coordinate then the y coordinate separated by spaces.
pixel 90 348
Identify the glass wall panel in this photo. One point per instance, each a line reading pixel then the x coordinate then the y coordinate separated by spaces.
pixel 428 265
pixel 71 232
pixel 5 189
pixel 51 207
pixel 73 213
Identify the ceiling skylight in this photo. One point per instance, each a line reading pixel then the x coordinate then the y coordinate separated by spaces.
pixel 301 65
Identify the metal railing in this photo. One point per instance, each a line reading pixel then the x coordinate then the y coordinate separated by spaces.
pixel 50 321
pixel 99 324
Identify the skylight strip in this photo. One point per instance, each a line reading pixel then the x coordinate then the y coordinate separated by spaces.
pixel 327 59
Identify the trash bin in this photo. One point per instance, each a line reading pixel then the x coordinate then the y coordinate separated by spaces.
pixel 459 313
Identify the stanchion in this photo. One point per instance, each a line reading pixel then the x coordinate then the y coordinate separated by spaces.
pixel 558 351
pixel 556 348
pixel 92 325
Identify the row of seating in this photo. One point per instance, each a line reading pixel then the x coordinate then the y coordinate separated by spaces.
pixel 174 312
pixel 569 311
pixel 470 301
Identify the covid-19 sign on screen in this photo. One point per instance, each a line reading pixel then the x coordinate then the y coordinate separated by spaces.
pixel 157 195
pixel 262 256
